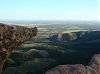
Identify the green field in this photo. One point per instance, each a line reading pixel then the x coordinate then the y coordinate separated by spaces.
pixel 74 29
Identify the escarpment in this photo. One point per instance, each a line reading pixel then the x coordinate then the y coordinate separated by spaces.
pixel 93 68
pixel 80 36
pixel 11 37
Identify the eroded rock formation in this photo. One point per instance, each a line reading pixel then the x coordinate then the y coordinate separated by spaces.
pixel 11 37
pixel 93 68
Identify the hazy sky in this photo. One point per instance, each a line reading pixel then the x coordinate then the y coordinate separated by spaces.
pixel 49 9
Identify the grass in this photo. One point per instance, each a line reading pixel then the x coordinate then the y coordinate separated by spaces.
pixel 69 31
pixel 33 45
pixel 74 29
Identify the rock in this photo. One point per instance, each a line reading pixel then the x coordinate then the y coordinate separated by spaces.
pixel 69 36
pixel 93 68
pixel 11 37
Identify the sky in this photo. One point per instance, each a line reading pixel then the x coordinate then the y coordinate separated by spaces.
pixel 50 10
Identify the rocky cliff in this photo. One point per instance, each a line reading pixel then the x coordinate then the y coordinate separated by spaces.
pixel 93 68
pixel 11 37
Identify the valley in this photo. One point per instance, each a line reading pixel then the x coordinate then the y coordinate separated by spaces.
pixel 54 45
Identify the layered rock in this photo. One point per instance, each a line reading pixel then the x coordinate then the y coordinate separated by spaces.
pixel 93 68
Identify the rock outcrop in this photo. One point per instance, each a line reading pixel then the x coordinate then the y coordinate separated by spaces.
pixel 93 68
pixel 11 37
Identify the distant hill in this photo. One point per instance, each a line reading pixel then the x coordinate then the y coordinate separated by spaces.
pixel 79 36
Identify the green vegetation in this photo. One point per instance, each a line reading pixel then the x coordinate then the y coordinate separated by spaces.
pixel 69 31
pixel 37 66
pixel 74 29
